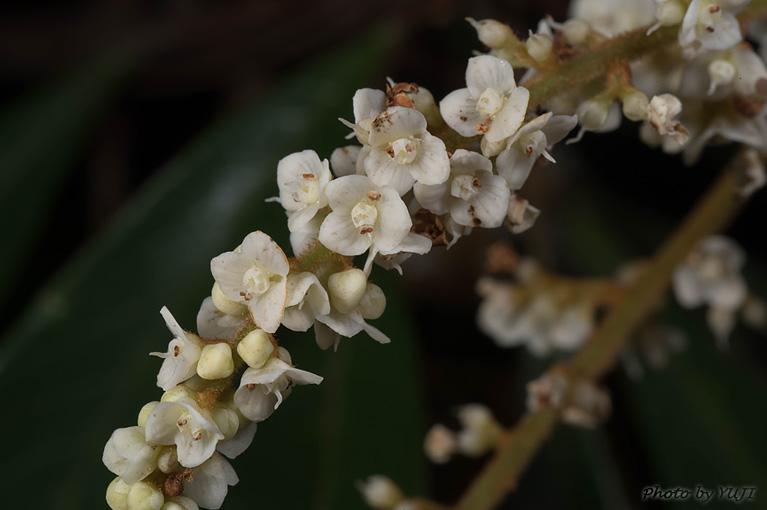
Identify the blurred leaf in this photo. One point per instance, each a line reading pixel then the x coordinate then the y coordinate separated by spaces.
pixel 77 363
pixel 40 137
pixel 700 420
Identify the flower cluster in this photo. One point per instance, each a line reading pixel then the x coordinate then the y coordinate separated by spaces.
pixel 425 174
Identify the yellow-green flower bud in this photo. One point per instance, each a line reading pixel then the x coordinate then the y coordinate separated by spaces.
pixel 576 32
pixel 373 303
pixel 226 305
pixel 635 104
pixel 539 46
pixel 117 494
pixel 215 361
pixel 346 289
pixel 177 393
pixel 167 462
pixel 145 412
pixel 143 496
pixel 227 421
pixel 255 348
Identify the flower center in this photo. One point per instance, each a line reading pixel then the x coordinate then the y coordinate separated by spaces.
pixel 308 189
pixel 533 144
pixel 187 425
pixel 465 187
pixel 403 150
pixel 490 102
pixel 256 282
pixel 364 216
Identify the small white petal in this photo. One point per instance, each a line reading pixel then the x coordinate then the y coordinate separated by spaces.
pixel 488 72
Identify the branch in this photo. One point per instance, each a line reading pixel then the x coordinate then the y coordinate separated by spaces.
pixel 713 213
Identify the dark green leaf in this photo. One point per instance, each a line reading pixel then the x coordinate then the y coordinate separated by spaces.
pixel 40 137
pixel 76 366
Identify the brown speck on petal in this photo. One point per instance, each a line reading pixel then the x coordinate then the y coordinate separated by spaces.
pixel 390 152
pixel 710 29
pixel 374 195
pixel 747 106
pixel 366 230
pixel 250 387
pixel 176 351
pixel 528 151
pixel 714 8
pixel 475 182
pixel 308 176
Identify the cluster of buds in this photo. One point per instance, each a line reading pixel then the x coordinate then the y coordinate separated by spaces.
pixel 480 433
pixel 539 309
pixel 710 86
pixel 425 174
pixel 580 402
pixel 711 275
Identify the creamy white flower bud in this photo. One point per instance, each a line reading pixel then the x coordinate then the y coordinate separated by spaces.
pixel 177 393
pixel 576 32
pixel 670 12
pixel 481 431
pixel 635 104
pixel 539 46
pixel 143 496
pixel 593 113
pixel 145 411
pixel 215 361
pixel 256 348
pixel 373 303
pixel 167 462
pixel 226 305
pixel 380 492
pixel 117 494
pixel 491 33
pixel 662 114
pixel 440 444
pixel 346 289
pixel 721 72
pixel 227 421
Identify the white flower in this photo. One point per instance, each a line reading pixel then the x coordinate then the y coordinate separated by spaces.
pixel 711 275
pixel 209 482
pixel 521 215
pixel 241 440
pixel 440 444
pixel 711 25
pixel 472 195
pixel 213 323
pixel 128 455
pixel 736 71
pixel 307 299
pixel 367 103
pixel 302 178
pixel 306 236
pixel 511 318
pixel 528 143
pixel 662 114
pixel 180 362
pixel 262 390
pixel 353 300
pixel 722 120
pixel 256 276
pixel 403 152
pixel 491 104
pixel 182 422
pixel 365 217
pixel 392 259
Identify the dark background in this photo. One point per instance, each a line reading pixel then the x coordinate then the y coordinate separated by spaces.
pixel 199 64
